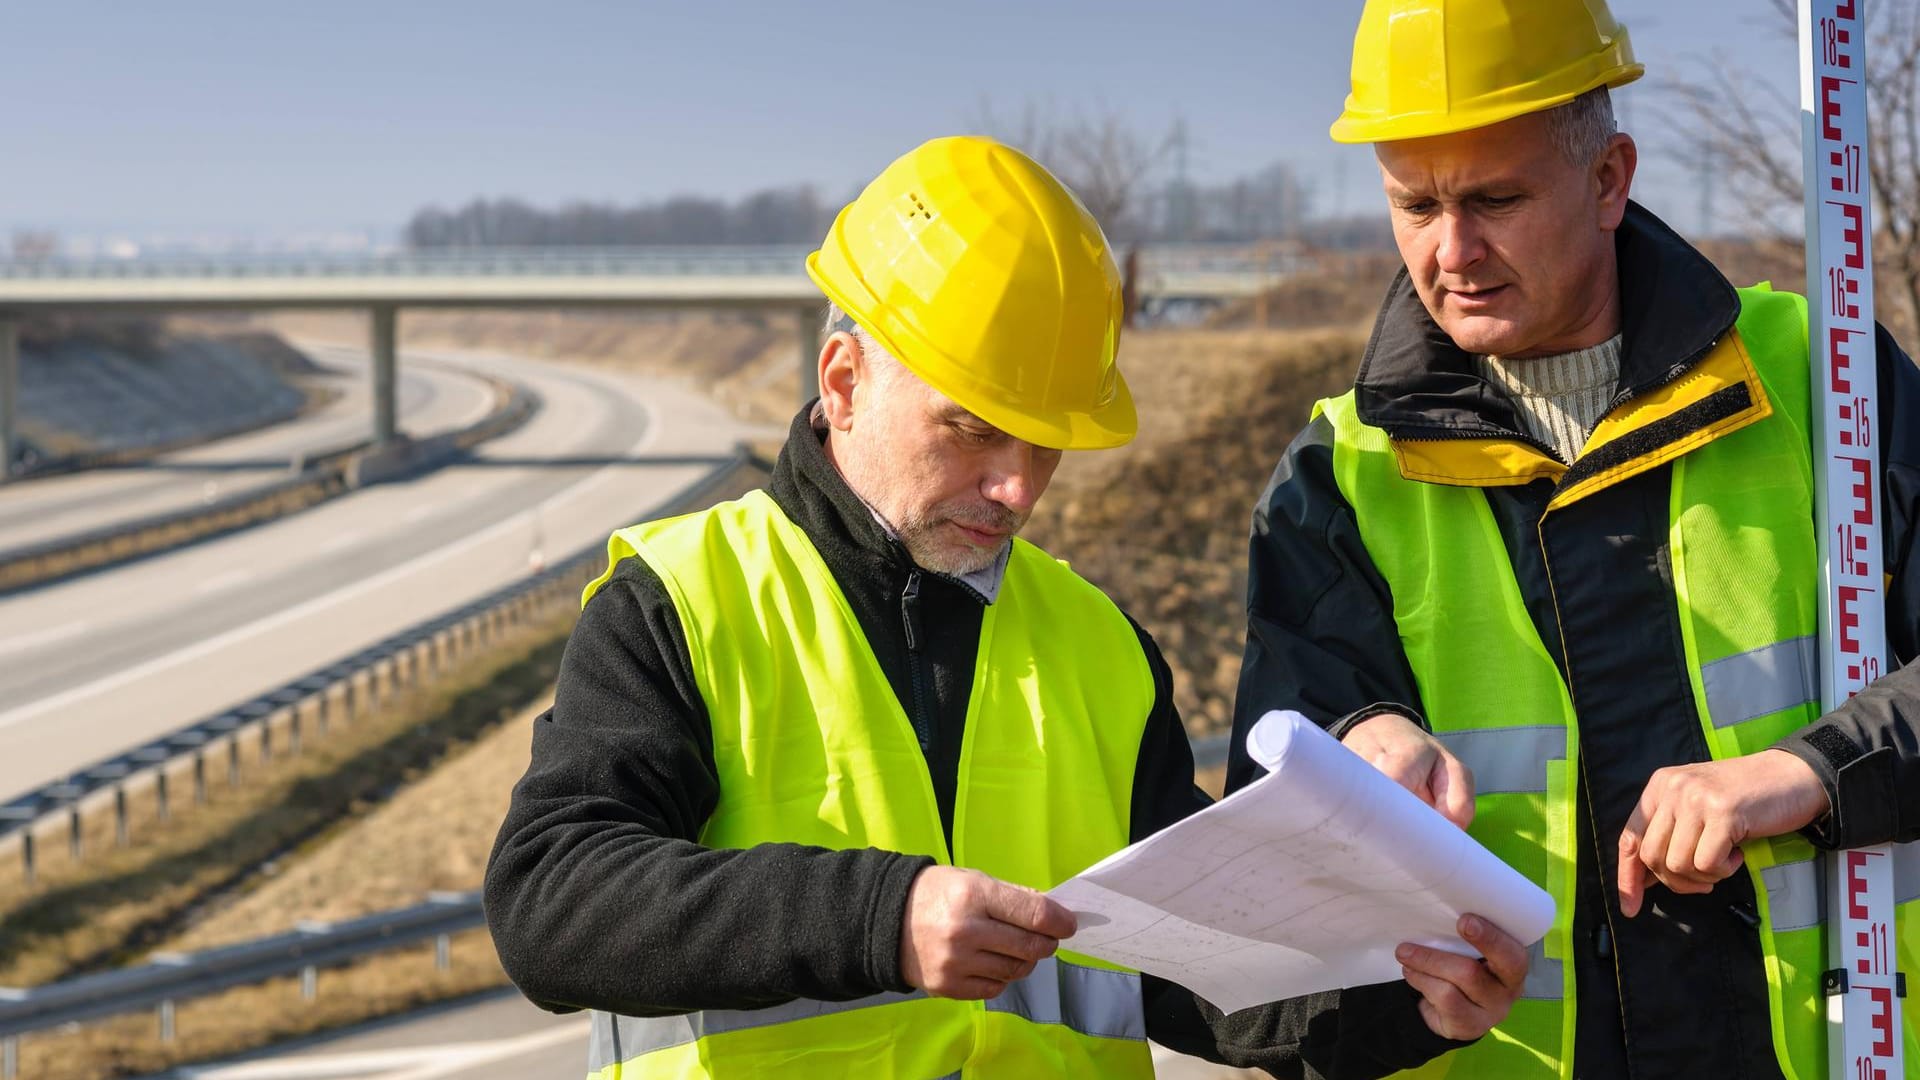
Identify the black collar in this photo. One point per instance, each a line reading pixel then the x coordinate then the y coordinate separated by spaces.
pixel 1417 384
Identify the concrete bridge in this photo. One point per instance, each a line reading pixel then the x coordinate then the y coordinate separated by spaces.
pixel 710 278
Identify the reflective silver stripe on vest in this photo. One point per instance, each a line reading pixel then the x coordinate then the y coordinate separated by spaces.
pixel 622 1038
pixel 1091 1001
pixel 1794 894
pixel 1544 977
pixel 1762 682
pixel 1507 760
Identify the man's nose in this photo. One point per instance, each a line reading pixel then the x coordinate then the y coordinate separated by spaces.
pixel 1014 479
pixel 1461 245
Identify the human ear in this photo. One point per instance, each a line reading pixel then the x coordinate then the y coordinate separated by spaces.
pixel 1613 178
pixel 842 368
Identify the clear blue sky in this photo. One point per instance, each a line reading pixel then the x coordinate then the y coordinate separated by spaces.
pixel 279 117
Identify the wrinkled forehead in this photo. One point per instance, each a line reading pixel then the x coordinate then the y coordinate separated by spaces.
pixel 1517 153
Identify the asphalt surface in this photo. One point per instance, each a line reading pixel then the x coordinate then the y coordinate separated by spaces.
pixel 429 399
pixel 92 666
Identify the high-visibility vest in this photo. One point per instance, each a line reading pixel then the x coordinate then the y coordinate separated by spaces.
pixel 1746 584
pixel 812 747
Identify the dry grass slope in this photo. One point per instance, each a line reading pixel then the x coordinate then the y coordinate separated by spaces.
pixel 1162 523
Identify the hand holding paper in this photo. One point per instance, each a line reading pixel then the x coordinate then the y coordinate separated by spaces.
pixel 1306 880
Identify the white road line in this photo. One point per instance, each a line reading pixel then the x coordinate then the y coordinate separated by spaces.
pixel 408 1063
pixel 223 581
pixel 23 642
pixel 321 603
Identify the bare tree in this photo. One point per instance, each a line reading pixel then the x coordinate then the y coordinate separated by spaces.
pixel 1107 160
pixel 1750 136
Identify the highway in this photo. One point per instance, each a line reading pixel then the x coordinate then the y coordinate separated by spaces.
pixel 103 662
pixel 430 399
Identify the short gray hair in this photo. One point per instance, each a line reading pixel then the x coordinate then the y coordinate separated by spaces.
pixel 1582 127
pixel 839 321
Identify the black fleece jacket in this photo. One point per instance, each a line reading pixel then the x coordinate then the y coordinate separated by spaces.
pixel 599 897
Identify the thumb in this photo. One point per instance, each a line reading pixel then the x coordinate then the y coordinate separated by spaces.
pixel 1030 910
pixel 1453 789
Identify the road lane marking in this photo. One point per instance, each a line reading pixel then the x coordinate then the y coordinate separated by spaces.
pixel 505 527
pixel 23 642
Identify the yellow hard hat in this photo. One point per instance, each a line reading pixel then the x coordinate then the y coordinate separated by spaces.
pixel 1433 67
pixel 984 275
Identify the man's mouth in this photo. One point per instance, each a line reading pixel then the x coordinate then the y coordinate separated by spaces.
pixel 1477 297
pixel 982 537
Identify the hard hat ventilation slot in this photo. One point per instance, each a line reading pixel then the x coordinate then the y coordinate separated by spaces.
pixel 919 207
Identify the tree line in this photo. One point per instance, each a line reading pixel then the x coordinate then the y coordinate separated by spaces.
pixel 794 215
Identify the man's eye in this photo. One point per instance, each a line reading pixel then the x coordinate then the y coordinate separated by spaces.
pixel 1498 202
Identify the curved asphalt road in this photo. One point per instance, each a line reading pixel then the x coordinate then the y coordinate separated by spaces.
pixel 92 666
pixel 429 399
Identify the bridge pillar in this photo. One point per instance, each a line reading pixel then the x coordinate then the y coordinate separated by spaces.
pixel 9 394
pixel 811 318
pixel 384 319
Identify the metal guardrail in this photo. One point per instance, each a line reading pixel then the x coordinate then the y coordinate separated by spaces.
pixel 321 476
pixel 171 977
pixel 343 690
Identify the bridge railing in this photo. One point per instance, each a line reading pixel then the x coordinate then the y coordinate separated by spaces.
pixel 783 261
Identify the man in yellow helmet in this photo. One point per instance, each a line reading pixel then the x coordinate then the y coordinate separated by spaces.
pixel 1551 563
pixel 815 752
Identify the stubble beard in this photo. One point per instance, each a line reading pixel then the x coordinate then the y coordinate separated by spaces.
pixel 937 548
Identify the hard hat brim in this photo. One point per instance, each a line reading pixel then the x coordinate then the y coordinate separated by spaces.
pixel 1352 128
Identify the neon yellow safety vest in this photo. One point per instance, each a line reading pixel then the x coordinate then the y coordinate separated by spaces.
pixel 812 747
pixel 1746 582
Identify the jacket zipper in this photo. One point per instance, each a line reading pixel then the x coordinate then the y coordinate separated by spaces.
pixel 910 617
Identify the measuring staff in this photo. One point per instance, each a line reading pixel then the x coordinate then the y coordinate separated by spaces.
pixel 1561 532
pixel 1867 921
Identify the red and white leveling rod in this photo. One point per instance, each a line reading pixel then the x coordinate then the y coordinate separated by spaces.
pixel 1864 1033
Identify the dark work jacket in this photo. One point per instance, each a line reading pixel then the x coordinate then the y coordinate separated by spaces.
pixel 599 896
pixel 1679 990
